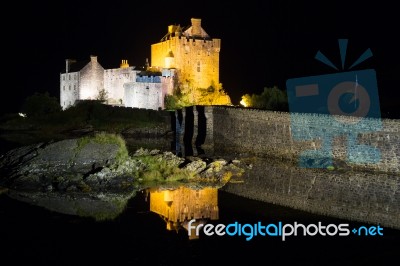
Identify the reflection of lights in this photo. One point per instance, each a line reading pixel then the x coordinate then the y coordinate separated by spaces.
pixel 242 102
pixel 22 115
pixel 180 205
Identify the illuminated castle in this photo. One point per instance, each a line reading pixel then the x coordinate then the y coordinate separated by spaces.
pixel 186 59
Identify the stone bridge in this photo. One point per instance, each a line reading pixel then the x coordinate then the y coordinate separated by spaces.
pixel 371 194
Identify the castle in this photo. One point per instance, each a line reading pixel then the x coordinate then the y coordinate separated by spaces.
pixel 184 63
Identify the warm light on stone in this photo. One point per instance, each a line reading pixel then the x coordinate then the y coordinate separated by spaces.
pixel 186 59
pixel 179 206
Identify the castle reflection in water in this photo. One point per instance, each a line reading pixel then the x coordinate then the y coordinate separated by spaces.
pixel 177 207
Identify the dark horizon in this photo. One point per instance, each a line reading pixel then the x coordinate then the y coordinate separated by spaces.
pixel 262 43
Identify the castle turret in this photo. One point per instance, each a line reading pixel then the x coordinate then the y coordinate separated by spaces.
pixel 169 60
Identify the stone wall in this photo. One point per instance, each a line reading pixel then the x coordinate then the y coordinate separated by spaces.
pixel 270 134
pixel 146 95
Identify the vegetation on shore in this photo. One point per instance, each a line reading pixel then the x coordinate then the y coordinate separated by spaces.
pixel 42 118
pixel 270 99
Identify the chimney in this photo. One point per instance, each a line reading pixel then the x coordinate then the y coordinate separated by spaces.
pixel 93 58
pixel 171 29
pixel 66 65
pixel 196 26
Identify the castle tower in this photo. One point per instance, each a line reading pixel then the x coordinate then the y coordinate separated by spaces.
pixel 192 52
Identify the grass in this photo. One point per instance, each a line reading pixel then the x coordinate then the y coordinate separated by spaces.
pixel 160 170
pixel 106 138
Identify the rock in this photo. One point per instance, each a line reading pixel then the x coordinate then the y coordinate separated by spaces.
pixel 141 152
pixel 196 166
pixel 172 159
pixel 44 163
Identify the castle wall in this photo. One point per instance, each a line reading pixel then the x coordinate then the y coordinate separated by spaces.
pixel 147 95
pixel 114 80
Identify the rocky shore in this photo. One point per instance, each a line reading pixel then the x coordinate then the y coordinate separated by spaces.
pixel 97 175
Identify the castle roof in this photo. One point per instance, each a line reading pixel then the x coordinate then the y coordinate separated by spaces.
pixel 195 31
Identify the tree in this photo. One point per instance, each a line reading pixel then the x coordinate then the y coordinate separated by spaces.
pixel 103 95
pixel 40 104
pixel 270 99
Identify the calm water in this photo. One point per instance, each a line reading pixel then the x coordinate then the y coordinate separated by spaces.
pixel 148 232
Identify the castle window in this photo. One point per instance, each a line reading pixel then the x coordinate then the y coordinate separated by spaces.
pixel 198 66
pixel 63 88
pixel 69 76
pixel 69 87
pixel 63 77
pixel 75 77
pixel 74 87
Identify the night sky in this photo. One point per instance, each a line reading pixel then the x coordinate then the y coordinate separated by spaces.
pixel 263 43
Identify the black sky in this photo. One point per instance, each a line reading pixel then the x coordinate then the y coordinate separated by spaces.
pixel 263 43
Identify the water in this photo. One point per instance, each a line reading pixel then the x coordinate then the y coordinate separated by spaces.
pixel 41 231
